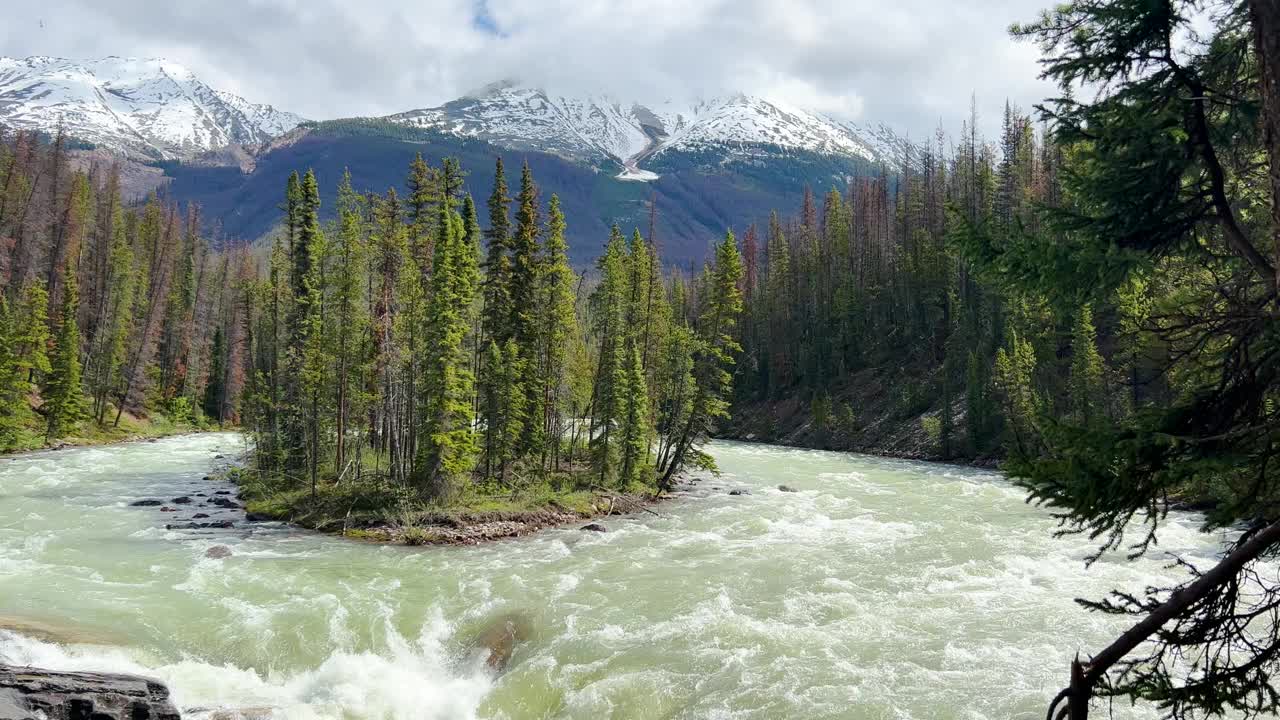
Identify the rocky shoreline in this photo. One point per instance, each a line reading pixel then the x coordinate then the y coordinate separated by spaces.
pixel 35 694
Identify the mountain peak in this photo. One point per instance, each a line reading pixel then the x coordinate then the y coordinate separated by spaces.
pixel 147 107
pixel 604 130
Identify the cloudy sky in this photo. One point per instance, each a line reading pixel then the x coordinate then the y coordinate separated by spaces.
pixel 910 64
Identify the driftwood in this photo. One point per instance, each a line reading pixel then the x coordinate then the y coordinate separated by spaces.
pixel 620 504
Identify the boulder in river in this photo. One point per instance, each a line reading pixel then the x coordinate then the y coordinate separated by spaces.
pixel 146 503
pixel 199 516
pixel 739 492
pixel 257 517
pixel 225 503
pixel 595 527
pixel 217 552
pixel 497 641
pixel 787 488
pixel 32 693
pixel 215 525
pixel 181 500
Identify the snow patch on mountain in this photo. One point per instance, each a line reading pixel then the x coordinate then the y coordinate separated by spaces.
pixel 597 128
pixel 146 107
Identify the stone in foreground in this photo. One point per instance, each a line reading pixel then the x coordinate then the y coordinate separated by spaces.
pixel 33 693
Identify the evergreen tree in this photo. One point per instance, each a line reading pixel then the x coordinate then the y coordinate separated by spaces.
pixel 635 423
pixel 64 404
pixel 559 327
pixel 13 381
pixel 212 403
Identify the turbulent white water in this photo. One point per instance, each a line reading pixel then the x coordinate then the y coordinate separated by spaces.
pixel 882 589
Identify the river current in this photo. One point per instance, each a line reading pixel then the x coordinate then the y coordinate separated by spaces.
pixel 880 589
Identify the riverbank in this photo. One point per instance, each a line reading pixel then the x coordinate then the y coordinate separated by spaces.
pixel 382 513
pixel 31 436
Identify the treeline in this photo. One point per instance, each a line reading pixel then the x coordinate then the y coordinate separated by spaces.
pixel 875 277
pixel 407 345
pixel 107 309
pixel 1097 302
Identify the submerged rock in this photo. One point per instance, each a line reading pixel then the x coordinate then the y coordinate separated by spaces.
pixel 32 693
pixel 739 492
pixel 199 516
pixel 146 503
pixel 786 488
pixel 498 640
pixel 217 552
pixel 595 527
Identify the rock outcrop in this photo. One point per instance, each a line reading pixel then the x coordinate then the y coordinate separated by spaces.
pixel 30 693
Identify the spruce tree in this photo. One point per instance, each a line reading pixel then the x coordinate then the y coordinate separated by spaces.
pixel 559 327
pixel 448 444
pixel 13 381
pixel 214 397
pixel 64 403
pixel 634 430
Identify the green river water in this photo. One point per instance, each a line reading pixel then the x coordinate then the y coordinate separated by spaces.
pixel 882 589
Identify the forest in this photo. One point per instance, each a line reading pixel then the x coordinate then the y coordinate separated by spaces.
pixel 401 352
pixel 1091 297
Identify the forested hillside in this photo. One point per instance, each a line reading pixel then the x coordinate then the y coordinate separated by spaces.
pixel 108 312
pixel 867 327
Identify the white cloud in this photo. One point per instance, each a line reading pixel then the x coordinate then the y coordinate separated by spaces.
pixel 910 64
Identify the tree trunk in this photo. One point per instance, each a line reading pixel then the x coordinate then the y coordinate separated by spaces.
pixel 1265 17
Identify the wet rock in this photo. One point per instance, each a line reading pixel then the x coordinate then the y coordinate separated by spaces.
pixel 739 492
pixel 34 693
pixel 181 500
pixel 207 478
pixel 217 552
pixel 786 488
pixel 146 503
pixel 223 492
pixel 257 517
pixel 216 524
pixel 198 516
pixel 497 641
pixel 595 527
pixel 218 457
pixel 166 508
pixel 225 503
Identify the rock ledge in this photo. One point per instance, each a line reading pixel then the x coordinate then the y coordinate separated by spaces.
pixel 34 693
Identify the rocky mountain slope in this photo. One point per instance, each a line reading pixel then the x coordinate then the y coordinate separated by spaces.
pixel 144 108
pixel 603 129
pixel 708 165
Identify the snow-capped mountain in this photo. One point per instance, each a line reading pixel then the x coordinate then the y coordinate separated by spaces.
pixel 596 128
pixel 149 108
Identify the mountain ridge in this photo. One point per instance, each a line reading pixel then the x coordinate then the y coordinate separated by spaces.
pixel 144 108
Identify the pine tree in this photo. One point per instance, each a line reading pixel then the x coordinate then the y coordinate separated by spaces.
pixel 635 424
pixel 448 447
pixel 213 402
pixel 32 339
pixel 526 277
pixel 559 327
pixel 64 404
pixel 716 356
pixel 13 381
pixel 609 313
pixel 1086 392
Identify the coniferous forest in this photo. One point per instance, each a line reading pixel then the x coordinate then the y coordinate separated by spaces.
pixel 1090 298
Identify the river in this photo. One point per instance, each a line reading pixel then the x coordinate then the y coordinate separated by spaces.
pixel 881 589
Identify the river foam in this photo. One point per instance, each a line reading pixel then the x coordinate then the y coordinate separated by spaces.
pixel 882 588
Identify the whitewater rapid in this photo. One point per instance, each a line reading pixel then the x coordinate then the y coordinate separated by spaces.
pixel 881 588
